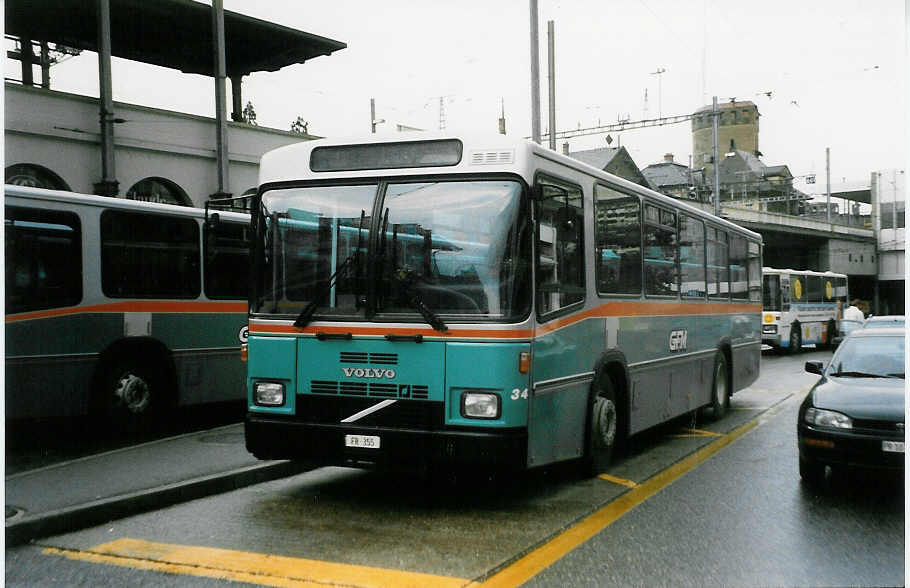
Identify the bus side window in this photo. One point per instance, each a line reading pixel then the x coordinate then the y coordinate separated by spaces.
pixel 226 265
pixel 560 247
pixel 661 252
pixel 754 269
pixel 738 263
pixel 692 256
pixel 718 270
pixel 149 256
pixel 617 241
pixel 43 259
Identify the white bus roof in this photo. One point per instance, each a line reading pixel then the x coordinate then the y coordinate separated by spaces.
pixel 482 153
pixel 61 196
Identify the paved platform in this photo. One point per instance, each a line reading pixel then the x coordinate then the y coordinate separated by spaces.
pixel 95 489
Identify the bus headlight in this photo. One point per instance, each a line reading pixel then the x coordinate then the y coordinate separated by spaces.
pixel 480 405
pixel 268 393
pixel 769 329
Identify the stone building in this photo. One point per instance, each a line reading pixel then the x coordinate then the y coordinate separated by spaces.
pixel 677 180
pixel 737 130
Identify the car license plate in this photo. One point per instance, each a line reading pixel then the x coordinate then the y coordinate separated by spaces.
pixel 893 446
pixel 362 441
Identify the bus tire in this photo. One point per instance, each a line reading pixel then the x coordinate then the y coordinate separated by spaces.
pixel 603 429
pixel 131 395
pixel 796 338
pixel 831 334
pixel 720 389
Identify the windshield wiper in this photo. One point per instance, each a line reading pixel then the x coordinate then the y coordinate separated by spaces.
pixel 407 280
pixel 858 375
pixel 403 277
pixel 306 315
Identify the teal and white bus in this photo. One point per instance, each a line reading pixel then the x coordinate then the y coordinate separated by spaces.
pixel 483 302
pixel 801 307
pixel 121 309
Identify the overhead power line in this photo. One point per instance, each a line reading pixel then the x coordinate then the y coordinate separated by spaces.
pixel 622 126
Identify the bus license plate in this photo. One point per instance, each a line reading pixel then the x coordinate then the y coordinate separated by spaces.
pixel 362 441
pixel 893 446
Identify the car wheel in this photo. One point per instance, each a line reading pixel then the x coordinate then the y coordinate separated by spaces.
pixel 796 338
pixel 720 391
pixel 811 472
pixel 603 431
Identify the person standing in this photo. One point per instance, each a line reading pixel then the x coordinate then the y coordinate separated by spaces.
pixel 853 313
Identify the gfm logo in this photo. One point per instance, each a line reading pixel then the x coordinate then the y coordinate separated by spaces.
pixel 679 340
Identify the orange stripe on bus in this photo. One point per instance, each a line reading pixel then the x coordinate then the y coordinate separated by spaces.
pixel 612 309
pixel 161 306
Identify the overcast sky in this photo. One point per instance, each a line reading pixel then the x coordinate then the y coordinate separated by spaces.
pixel 835 71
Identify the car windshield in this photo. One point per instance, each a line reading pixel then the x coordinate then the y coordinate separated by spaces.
pixel 454 248
pixel 881 357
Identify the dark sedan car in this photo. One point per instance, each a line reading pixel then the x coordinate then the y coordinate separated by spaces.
pixel 854 415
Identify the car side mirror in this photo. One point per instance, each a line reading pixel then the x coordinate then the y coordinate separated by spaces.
pixel 815 367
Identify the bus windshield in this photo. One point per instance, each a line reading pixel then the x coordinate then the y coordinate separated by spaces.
pixel 459 249
pixel 771 293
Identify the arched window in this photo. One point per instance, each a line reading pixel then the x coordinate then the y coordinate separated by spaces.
pixel 35 176
pixel 158 190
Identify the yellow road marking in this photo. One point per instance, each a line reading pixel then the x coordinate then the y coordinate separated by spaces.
pixel 620 481
pixel 555 549
pixel 253 568
pixel 282 571
pixel 696 433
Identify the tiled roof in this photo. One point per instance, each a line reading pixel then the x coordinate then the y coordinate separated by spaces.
pixel 666 174
pixel 598 158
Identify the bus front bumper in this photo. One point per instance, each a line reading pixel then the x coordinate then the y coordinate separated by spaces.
pixel 269 437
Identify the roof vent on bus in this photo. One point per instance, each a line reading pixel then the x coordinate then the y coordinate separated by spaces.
pixel 492 157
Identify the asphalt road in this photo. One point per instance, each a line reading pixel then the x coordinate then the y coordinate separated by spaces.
pixel 693 503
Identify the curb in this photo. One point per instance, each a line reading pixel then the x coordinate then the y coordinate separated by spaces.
pixel 22 529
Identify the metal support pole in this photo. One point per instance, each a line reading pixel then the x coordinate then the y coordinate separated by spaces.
pixel 535 76
pixel 221 144
pixel 551 62
pixel 828 174
pixel 108 186
pixel 372 115
pixel 237 98
pixel 27 57
pixel 714 115
pixel 45 66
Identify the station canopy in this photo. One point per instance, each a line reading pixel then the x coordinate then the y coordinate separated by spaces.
pixel 169 33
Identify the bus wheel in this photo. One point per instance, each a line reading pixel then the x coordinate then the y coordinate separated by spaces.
pixel 604 427
pixel 832 333
pixel 130 395
pixel 720 393
pixel 796 338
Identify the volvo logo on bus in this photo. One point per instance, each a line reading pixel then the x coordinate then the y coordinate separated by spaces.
pixel 679 340
pixel 368 373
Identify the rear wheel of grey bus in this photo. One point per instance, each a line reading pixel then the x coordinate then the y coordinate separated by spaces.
pixel 132 391
pixel 720 390
pixel 604 429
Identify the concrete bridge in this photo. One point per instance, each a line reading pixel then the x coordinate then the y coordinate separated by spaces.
pixel 804 243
